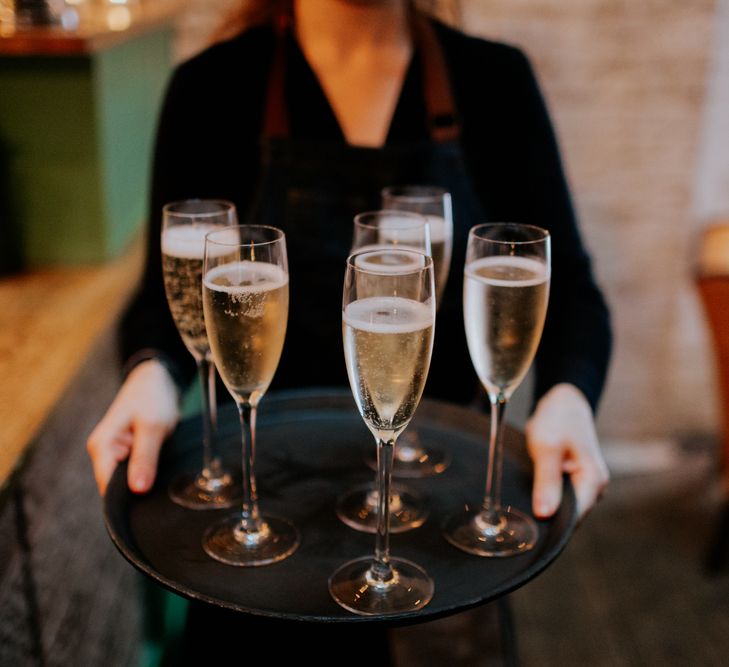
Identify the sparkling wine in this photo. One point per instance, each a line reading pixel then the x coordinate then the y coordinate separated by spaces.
pixel 183 248
pixel 246 308
pixel 387 347
pixel 384 258
pixel 504 304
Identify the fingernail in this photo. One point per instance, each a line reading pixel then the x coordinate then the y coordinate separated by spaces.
pixel 547 504
pixel 544 509
pixel 140 482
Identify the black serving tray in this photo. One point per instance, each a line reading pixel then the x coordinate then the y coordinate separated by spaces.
pixel 310 449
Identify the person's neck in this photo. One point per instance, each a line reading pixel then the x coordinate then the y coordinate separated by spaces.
pixel 341 27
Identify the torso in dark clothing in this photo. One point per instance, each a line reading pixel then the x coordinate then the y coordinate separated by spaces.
pixel 209 146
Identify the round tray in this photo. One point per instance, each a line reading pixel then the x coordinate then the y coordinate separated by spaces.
pixel 311 446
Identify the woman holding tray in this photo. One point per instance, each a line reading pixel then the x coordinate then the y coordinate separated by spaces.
pixel 300 120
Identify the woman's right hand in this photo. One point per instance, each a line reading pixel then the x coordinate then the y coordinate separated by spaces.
pixel 143 414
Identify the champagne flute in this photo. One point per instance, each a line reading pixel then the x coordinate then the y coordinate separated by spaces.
pixel 505 293
pixel 372 231
pixel 246 301
pixel 388 318
pixel 413 459
pixel 184 226
pixel 434 203
pixel 382 229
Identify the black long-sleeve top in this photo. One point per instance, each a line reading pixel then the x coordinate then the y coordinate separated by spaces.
pixel 208 146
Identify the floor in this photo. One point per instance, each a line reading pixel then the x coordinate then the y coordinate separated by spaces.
pixel 67 598
pixel 50 320
pixel 632 587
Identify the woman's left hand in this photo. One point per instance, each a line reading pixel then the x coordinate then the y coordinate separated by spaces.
pixel 561 438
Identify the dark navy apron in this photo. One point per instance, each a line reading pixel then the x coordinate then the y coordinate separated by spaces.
pixel 313 189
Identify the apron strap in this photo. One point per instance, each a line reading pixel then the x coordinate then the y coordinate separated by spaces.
pixel 275 115
pixel 440 106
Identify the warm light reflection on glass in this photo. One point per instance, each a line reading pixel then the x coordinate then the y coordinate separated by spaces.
pixel 118 18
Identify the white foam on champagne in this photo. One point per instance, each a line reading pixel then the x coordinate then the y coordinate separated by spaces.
pixel 188 241
pixel 394 229
pixel 388 315
pixel 246 277
pixel 388 259
pixel 538 270
pixel 404 231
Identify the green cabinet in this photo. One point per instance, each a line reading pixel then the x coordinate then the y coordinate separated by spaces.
pixel 76 138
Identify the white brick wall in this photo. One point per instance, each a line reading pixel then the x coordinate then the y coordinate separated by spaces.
pixel 712 176
pixel 625 82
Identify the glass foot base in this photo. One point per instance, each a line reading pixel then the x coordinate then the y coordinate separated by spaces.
pixel 358 509
pixel 514 533
pixel 224 541
pixel 413 461
pixel 193 491
pixel 353 587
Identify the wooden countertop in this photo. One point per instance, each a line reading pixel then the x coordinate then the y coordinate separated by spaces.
pixel 98 28
pixel 49 320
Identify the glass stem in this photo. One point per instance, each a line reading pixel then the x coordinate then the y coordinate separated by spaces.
pixel 206 371
pixel 250 522
pixel 213 403
pixel 381 570
pixel 492 499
